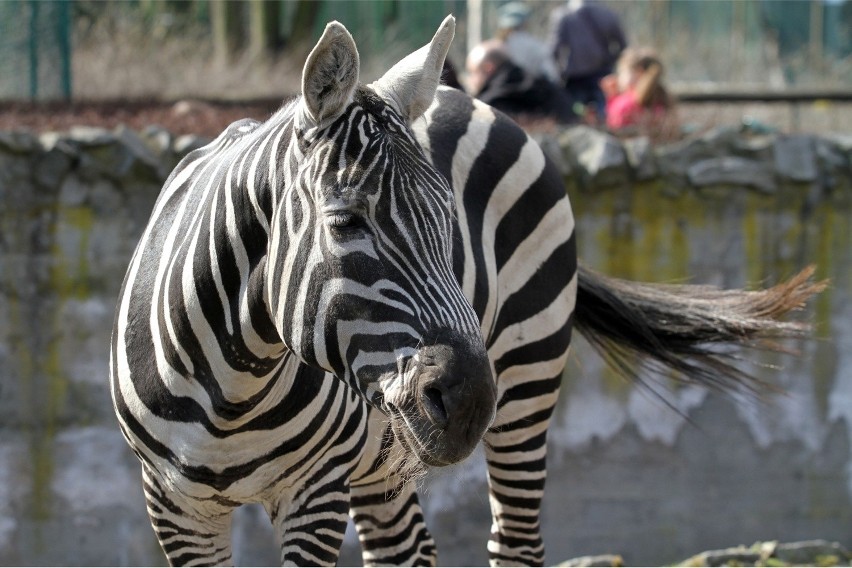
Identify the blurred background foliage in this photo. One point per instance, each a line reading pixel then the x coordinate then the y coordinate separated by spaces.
pixel 168 49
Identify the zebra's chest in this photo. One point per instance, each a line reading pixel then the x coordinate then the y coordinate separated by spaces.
pixel 281 443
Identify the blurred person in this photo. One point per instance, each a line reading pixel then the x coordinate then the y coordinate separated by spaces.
pixel 637 99
pixel 495 79
pixel 449 76
pixel 586 41
pixel 524 49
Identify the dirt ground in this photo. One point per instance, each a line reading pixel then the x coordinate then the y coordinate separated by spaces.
pixel 183 117
pixel 209 118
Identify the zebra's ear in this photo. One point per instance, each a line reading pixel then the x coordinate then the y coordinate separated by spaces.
pixel 410 84
pixel 330 74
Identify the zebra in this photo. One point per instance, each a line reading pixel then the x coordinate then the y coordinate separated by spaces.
pixel 372 282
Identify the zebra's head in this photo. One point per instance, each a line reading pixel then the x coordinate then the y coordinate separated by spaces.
pixel 360 274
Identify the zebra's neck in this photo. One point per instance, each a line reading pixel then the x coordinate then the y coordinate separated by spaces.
pixel 213 262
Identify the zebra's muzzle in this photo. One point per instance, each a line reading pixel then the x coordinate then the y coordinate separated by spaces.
pixel 449 402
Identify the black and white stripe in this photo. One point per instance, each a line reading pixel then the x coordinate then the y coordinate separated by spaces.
pixel 375 279
pixel 292 271
pixel 514 255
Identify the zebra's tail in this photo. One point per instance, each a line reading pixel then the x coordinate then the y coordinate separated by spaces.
pixel 688 328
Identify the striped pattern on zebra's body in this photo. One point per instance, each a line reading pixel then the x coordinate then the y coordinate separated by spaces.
pixel 523 289
pixel 515 256
pixel 289 251
pixel 217 409
pixel 245 416
pixel 296 270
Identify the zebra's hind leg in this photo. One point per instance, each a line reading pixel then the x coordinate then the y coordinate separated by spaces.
pixel 191 533
pixel 515 451
pixel 390 525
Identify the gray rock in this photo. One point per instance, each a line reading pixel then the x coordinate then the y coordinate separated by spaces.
pixel 598 157
pixel 737 556
pixel 187 143
pixel 673 160
pixel 550 146
pixel 732 171
pixel 771 553
pixel 136 144
pixel 73 191
pixel 795 159
pixel 755 147
pixel 158 139
pixel 146 162
pixel 590 561
pixel 18 142
pixel 842 141
pixel 811 551
pixel 106 198
pixel 91 135
pixel 640 158
pixel 52 167
pixel 831 155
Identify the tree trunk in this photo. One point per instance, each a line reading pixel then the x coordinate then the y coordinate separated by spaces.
pixel 226 22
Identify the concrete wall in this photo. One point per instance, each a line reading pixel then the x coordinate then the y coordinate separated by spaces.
pixel 628 475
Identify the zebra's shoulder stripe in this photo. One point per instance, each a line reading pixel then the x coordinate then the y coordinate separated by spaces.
pixel 447 121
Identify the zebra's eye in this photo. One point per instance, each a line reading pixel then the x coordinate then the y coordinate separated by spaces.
pixel 341 220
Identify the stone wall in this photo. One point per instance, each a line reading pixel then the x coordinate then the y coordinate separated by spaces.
pixel 628 475
pixel 721 158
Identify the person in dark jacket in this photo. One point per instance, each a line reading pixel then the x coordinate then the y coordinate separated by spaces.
pixel 494 79
pixel 586 41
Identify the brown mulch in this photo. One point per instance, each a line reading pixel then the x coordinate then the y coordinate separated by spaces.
pixel 204 118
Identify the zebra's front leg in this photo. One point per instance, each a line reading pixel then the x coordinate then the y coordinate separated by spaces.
pixel 516 452
pixel 191 532
pixel 390 525
pixel 310 528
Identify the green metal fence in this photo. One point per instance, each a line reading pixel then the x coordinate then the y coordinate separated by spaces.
pixel 35 49
pixel 775 43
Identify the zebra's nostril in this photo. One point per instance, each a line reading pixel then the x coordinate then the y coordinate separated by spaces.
pixel 433 401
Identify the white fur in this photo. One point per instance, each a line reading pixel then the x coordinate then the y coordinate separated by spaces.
pixel 410 84
pixel 330 75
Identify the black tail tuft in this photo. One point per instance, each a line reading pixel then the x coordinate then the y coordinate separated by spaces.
pixel 688 328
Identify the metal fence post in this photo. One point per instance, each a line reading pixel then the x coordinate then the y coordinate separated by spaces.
pixel 63 35
pixel 33 48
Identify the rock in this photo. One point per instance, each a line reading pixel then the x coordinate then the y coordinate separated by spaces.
pixel 831 155
pixel 818 552
pixel 675 159
pixel 599 157
pixel 51 167
pixel 73 191
pixel 753 147
pixel 187 143
pixel 91 135
pixel 158 139
pixel 17 142
pixel 732 171
pixel 189 107
pixel 640 157
pixel 806 553
pixel 144 159
pixel 550 146
pixel 589 561
pixel 842 141
pixel 795 159
pixel 739 556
